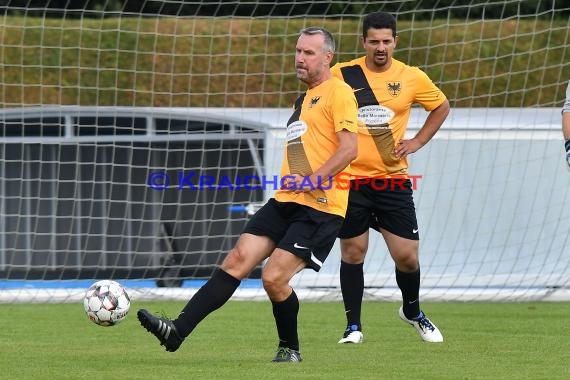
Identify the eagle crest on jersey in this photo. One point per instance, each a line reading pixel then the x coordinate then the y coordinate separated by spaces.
pixel 394 88
pixel 314 101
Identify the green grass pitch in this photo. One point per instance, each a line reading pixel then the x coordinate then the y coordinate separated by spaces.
pixel 482 341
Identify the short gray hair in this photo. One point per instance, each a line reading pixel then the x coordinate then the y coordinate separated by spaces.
pixel 328 38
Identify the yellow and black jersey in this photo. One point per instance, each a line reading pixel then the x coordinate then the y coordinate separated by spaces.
pixel 384 103
pixel 311 140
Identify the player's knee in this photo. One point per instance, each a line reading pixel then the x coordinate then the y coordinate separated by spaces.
pixel 353 254
pixel 273 284
pixel 269 281
pixel 235 264
pixel 408 263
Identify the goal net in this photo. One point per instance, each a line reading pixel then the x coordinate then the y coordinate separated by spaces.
pixel 136 139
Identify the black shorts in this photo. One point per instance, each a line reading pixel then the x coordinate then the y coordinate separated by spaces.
pixel 389 206
pixel 305 232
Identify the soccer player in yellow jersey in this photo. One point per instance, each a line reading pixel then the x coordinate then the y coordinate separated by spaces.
pixel 298 227
pixel 381 192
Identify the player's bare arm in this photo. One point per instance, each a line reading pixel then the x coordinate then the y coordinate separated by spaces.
pixel 432 124
pixel 342 157
pixel 566 125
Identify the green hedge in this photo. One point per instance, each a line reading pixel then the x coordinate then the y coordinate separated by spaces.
pixel 199 62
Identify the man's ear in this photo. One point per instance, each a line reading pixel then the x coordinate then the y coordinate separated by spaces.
pixel 330 57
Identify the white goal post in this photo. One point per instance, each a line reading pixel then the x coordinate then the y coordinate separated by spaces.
pixel 131 143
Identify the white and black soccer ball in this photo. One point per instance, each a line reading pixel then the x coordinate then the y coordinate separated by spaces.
pixel 106 303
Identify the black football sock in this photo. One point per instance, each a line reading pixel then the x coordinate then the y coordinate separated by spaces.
pixel 352 288
pixel 285 313
pixel 409 284
pixel 211 296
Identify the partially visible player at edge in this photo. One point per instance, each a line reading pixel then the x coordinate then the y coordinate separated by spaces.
pixel 566 124
pixel 385 89
pixel 297 228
